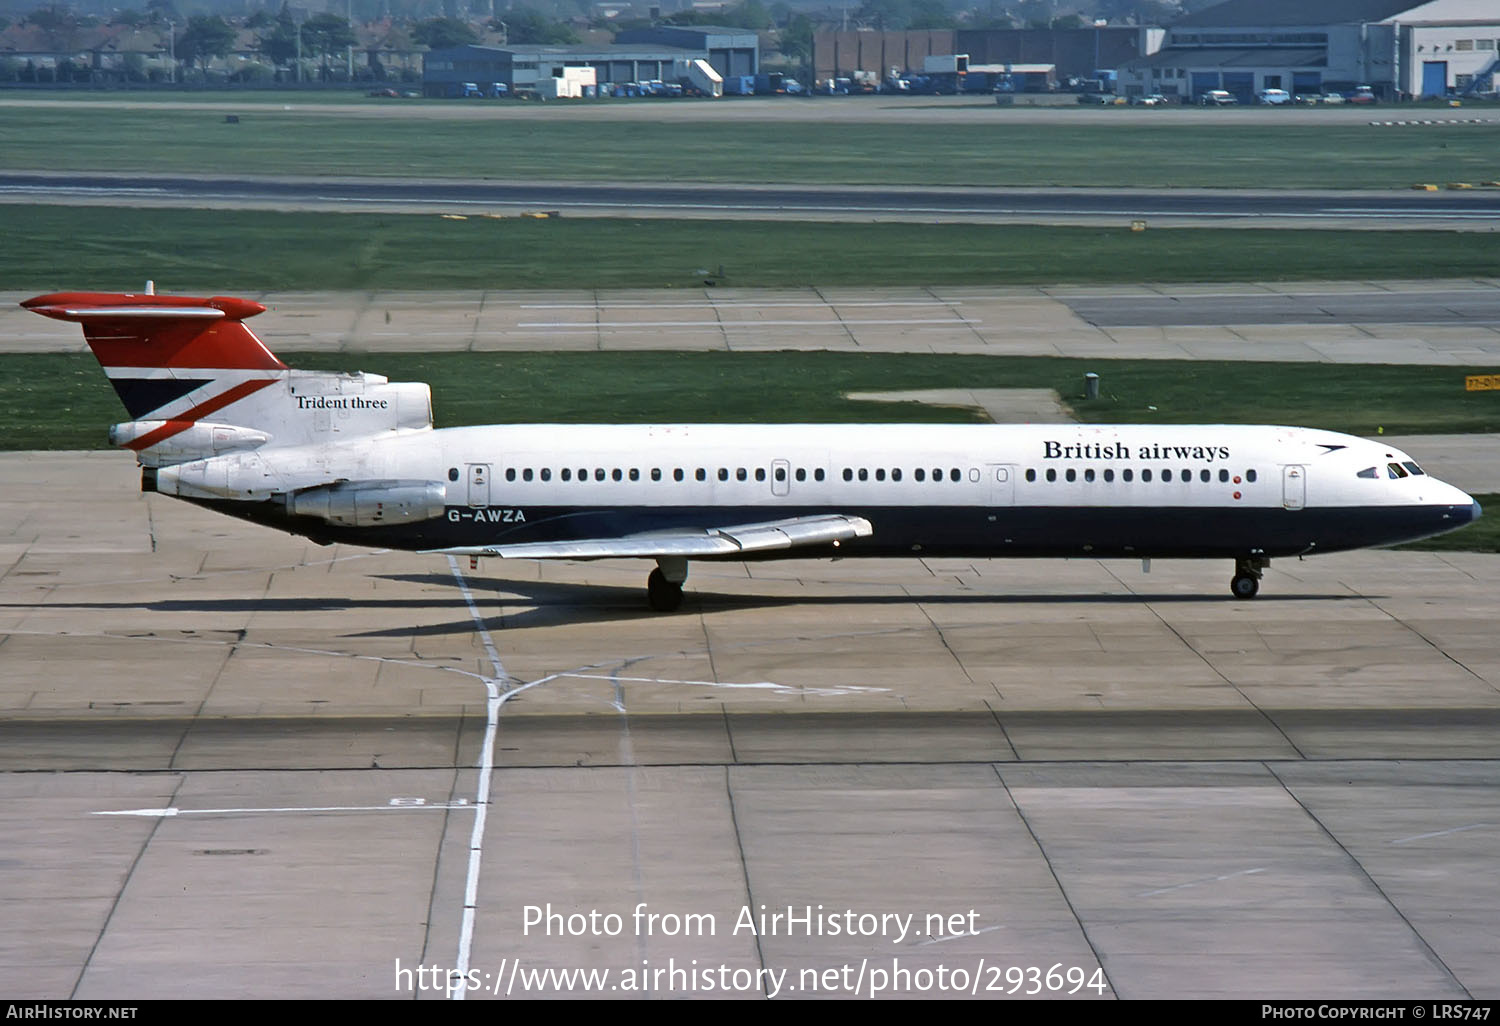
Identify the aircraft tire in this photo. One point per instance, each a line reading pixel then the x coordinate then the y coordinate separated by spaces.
pixel 661 594
pixel 1244 586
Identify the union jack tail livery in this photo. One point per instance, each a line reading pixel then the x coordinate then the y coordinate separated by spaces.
pixel 197 382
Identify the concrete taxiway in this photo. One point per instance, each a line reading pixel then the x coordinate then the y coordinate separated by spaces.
pixel 235 764
pixel 1454 322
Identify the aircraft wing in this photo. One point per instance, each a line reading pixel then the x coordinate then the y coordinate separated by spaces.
pixel 686 542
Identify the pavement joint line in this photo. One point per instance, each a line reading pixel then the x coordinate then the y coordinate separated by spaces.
pixel 1369 879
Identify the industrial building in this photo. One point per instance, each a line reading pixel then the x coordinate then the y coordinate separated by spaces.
pixel 1073 53
pixel 639 56
pixel 1400 49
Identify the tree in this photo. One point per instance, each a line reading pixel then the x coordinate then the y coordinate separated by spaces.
pixel 795 41
pixel 280 43
pixel 1068 21
pixel 441 33
pixel 326 33
pixel 207 35
pixel 528 25
pixel 262 18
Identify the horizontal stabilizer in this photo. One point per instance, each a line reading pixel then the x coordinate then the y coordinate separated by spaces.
pixel 687 543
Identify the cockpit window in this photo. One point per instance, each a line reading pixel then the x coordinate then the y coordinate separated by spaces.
pixel 1395 470
pixel 1416 471
pixel 1370 472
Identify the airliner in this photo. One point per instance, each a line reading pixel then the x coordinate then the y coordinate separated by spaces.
pixel 219 421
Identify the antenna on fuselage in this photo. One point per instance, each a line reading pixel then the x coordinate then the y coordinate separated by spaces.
pixel 150 287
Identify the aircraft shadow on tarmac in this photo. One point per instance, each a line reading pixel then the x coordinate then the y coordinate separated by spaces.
pixel 549 603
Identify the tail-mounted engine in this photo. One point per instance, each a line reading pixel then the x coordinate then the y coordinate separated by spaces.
pixel 370 503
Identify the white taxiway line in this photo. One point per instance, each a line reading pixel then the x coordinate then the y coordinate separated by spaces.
pixel 825 323
pixel 394 806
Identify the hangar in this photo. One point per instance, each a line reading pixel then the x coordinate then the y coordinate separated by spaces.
pixel 638 56
pixel 1400 49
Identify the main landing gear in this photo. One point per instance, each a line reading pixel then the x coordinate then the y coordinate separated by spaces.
pixel 1247 573
pixel 664 586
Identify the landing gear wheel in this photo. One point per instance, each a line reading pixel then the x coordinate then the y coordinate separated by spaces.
pixel 663 595
pixel 1244 586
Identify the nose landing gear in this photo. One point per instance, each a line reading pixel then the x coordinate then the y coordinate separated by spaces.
pixel 1247 573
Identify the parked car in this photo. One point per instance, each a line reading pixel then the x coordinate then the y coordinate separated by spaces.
pixel 1218 98
pixel 1331 98
pixel 1273 97
pixel 1154 100
pixel 384 92
pixel 1362 94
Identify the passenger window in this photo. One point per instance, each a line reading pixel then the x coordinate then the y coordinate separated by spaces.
pixel 780 474
pixel 526 474
pixel 656 473
pixel 818 474
pixel 599 473
pixel 801 474
pixel 741 475
pixel 546 473
pixel 617 475
pixel 1223 477
pixel 701 474
pixel 1109 475
pixel 1071 475
pixel 1250 476
pixel 1166 475
pixel 583 473
pixel 760 473
pixel 1030 474
pixel 937 473
pixel 954 475
pixel 1145 475
pixel 1204 476
pixel 510 473
pixel 864 475
pixel 723 473
pixel 896 474
pixel 677 474
pixel 1368 472
pixel 848 474
pixel 452 473
pixel 635 475
pixel 880 474
pixel 1127 474
pixel 567 474
pixel 1187 476
pixel 1088 475
pixel 1051 474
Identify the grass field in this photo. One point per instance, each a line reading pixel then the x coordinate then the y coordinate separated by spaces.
pixel 1171 152
pixel 57 247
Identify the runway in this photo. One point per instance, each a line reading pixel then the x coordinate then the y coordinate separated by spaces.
pixel 238 765
pixel 1348 208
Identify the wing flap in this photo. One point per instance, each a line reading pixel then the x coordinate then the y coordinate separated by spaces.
pixel 686 543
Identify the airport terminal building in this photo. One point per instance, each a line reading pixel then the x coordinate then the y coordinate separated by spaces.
pixel 1400 49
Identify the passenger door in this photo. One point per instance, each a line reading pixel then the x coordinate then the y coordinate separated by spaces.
pixel 1294 487
pixel 479 484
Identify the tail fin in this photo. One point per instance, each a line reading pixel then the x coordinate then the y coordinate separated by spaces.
pixel 169 357
pixel 197 382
